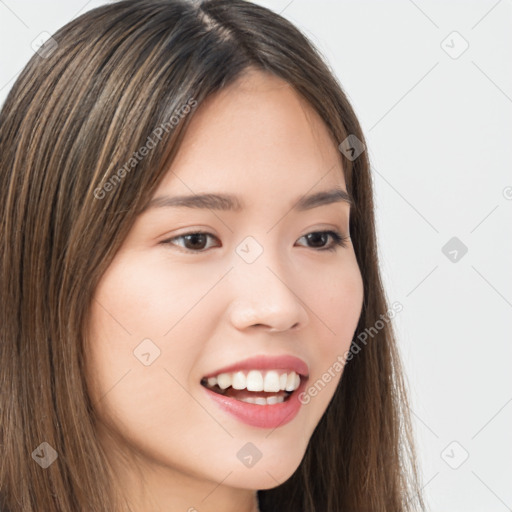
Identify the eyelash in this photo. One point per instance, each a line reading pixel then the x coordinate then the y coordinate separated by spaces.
pixel 338 240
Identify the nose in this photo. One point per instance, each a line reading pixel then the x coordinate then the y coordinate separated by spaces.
pixel 266 296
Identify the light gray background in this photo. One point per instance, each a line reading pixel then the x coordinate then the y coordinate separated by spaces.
pixel 439 133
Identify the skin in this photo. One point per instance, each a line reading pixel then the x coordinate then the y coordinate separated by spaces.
pixel 173 448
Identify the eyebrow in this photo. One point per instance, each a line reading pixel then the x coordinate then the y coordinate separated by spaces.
pixel 233 203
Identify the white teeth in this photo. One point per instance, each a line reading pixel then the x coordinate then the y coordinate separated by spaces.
pixel 292 382
pixel 249 400
pixel 274 400
pixel 270 400
pixel 254 381
pixel 224 380
pixel 271 381
pixel 239 380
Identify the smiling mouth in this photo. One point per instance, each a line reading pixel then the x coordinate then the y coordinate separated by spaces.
pixel 245 395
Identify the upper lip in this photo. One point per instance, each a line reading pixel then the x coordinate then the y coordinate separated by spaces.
pixel 262 362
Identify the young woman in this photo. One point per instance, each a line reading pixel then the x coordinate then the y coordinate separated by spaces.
pixel 192 313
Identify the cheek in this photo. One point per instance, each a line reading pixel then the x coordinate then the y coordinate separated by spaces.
pixel 141 336
pixel 337 301
pixel 151 297
pixel 138 317
pixel 337 305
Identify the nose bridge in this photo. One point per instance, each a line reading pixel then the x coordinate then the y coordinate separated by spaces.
pixel 263 289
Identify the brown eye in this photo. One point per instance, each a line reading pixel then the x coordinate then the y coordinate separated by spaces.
pixel 318 239
pixel 191 242
pixel 197 242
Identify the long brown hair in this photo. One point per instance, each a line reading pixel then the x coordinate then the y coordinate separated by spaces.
pixel 80 110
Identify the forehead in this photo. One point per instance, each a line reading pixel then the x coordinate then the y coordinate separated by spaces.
pixel 254 134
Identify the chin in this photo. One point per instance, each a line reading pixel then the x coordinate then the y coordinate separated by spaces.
pixel 264 475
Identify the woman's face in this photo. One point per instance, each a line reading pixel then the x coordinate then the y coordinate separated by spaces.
pixel 172 309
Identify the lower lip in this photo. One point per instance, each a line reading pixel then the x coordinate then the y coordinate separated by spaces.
pixel 262 416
